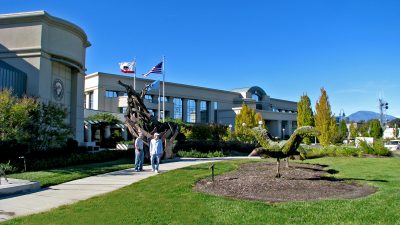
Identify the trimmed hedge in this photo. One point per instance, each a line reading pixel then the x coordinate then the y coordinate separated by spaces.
pixel 345 151
pixel 206 146
pixel 69 155
pixel 51 161
pixel 196 154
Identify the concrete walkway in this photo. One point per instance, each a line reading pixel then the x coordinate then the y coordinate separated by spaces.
pixel 74 191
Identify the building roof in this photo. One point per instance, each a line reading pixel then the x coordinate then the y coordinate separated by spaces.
pixel 43 15
pixel 252 89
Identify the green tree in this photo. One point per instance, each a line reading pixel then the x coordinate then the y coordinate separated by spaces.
pixel 39 125
pixel 305 115
pixel 246 116
pixel 47 127
pixel 375 129
pixel 353 131
pixel 363 129
pixel 334 131
pixel 323 119
pixel 15 114
pixel 342 130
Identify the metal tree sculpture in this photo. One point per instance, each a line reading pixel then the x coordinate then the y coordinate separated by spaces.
pixel 283 149
pixel 138 120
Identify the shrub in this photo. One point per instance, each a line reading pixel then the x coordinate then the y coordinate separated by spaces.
pixel 58 159
pixel 339 151
pixel 379 148
pixel 331 151
pixel 7 168
pixel 206 146
pixel 244 135
pixel 196 154
pixel 204 131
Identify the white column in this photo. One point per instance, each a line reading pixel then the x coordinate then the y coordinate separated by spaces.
pixel 290 128
pixel 184 109
pixel 279 127
pixel 210 109
pixel 76 107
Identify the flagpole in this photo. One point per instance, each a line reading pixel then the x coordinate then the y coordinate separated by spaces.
pixel 163 88
pixel 134 76
pixel 159 112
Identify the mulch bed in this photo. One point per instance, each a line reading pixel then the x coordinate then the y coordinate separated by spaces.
pixel 299 182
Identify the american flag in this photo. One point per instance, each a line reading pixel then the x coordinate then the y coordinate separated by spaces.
pixel 156 69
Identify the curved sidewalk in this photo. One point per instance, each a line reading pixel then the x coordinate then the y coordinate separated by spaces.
pixel 81 189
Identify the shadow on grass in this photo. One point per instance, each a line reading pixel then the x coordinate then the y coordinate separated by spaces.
pixel 374 180
pixel 332 171
pixel 334 179
pixel 196 168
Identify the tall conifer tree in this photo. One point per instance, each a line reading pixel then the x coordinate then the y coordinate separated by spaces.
pixel 247 116
pixel 343 130
pixel 305 115
pixel 323 118
pixel 353 131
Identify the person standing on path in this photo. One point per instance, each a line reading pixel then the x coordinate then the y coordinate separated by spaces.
pixel 156 150
pixel 139 153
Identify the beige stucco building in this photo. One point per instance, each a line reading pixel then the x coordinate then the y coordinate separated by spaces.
pixel 44 56
pixel 190 103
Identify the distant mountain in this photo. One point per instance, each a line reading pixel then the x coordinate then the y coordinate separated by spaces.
pixel 367 115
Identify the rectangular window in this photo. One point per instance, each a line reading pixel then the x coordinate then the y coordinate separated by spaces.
pixel 216 112
pixel 177 108
pixel 191 113
pixel 122 109
pixel 203 112
pixel 90 100
pixel 163 99
pixel 111 94
pixel 148 98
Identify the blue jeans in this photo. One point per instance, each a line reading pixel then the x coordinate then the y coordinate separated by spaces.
pixel 155 161
pixel 139 157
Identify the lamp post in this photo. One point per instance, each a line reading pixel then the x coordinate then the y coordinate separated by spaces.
pixel 243 124
pixel 283 133
pixel 260 123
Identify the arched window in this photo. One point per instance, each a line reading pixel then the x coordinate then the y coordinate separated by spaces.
pixel 255 97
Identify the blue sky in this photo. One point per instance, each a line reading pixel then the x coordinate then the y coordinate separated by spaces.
pixel 351 48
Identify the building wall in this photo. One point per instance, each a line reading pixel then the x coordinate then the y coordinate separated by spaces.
pixel 51 52
pixel 283 119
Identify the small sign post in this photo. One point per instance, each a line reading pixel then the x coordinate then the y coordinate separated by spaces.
pixel 212 171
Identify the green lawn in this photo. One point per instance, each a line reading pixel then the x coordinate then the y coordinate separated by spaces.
pixel 168 198
pixel 61 175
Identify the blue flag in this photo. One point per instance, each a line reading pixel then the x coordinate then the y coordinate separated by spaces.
pixel 154 86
